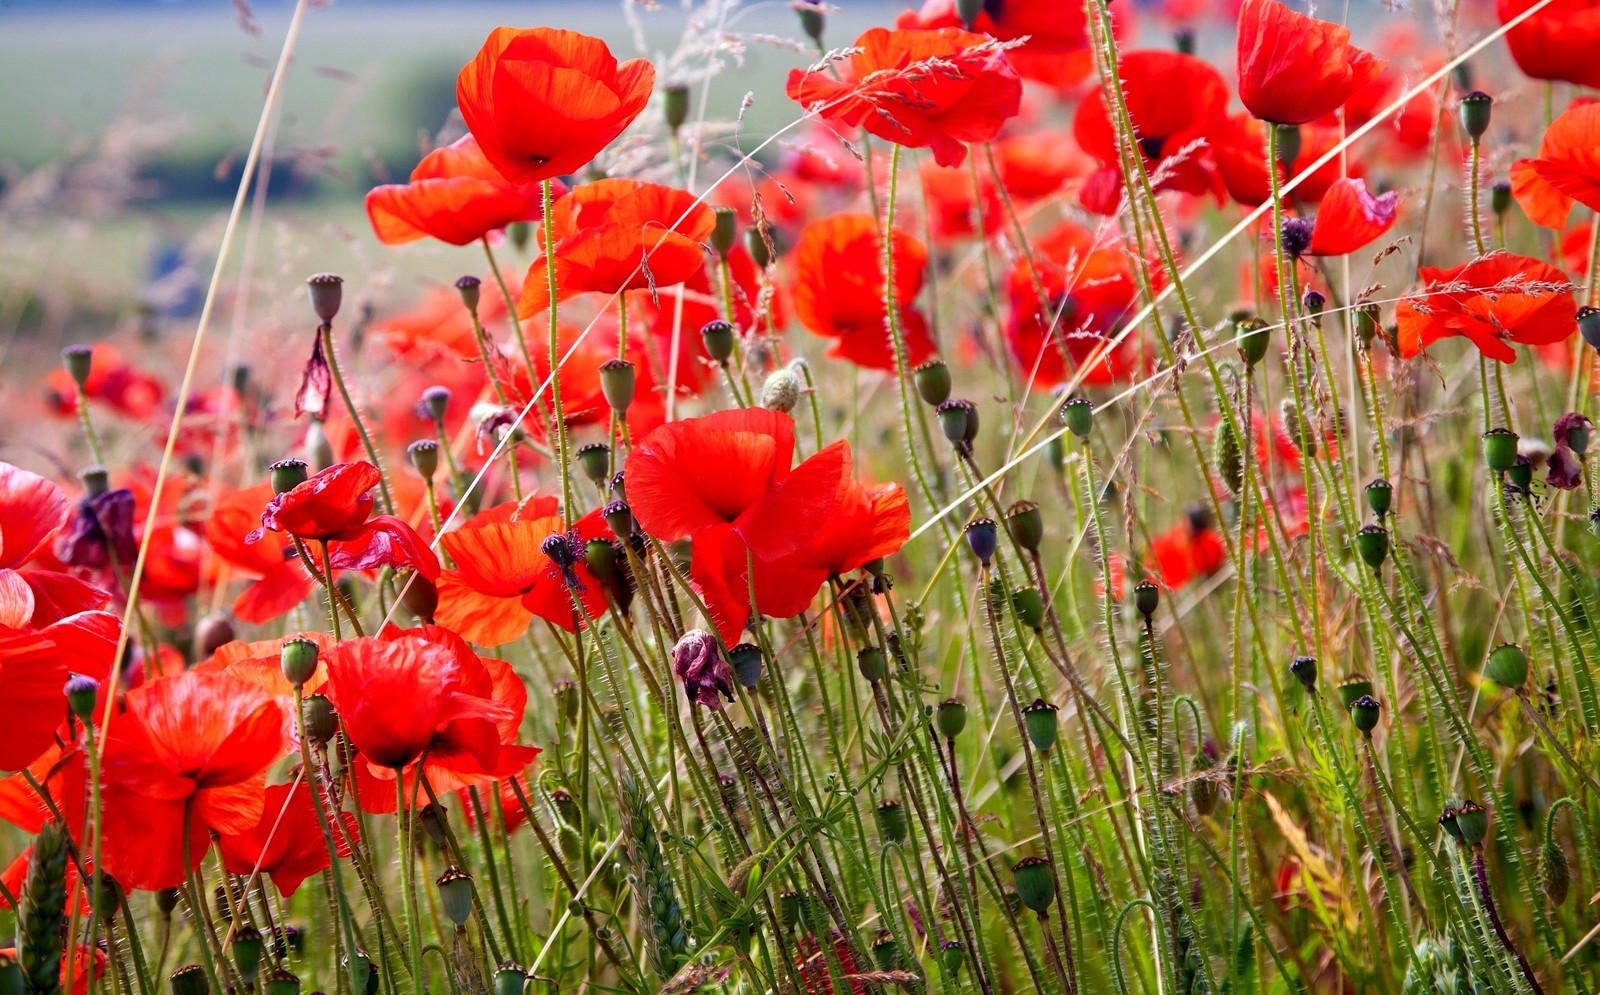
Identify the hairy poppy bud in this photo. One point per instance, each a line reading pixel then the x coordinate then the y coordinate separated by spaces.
pixel 950 717
pixel 190 979
pixel 436 402
pixel 1507 666
pixel 247 949
pixel 1372 542
pixel 675 105
pixel 96 480
pixel 82 693
pixel 781 391
pixel 424 456
pixel 982 538
pixel 617 384
pixel 958 419
pixel 1146 598
pixel 1028 604
pixel 872 663
pixel 1204 792
pixel 287 474
pixel 468 288
pixel 697 662
pixel 326 292
pixel 1304 670
pixel 1288 143
pixel 747 664
pixel 1364 713
pixel 1036 883
pixel 1520 476
pixel 1353 687
pixel 1475 113
pixel 718 338
pixel 455 894
pixel 212 632
pixel 1554 872
pixel 1042 721
pixel 1025 522
pixel 1380 496
pixel 321 721
pixel 595 460
pixel 1078 413
pixel 1228 457
pixel 1500 449
pixel 510 979
pixel 811 20
pixel 933 382
pixel 298 658
pixel 1314 301
pixel 891 821
pixel 725 232
pixel 79 361
pixel 1252 335
pixel 1500 196
pixel 620 518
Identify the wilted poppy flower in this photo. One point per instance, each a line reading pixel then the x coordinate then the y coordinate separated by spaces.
pixel 698 663
pixel 1055 49
pixel 1565 468
pixel 542 102
pixel 1349 218
pixel 1557 43
pixel 1497 301
pixel 287 843
pixel 1566 170
pixel 99 533
pixel 732 468
pixel 455 196
pixel 838 289
pixel 932 89
pixel 332 507
pixel 1294 68
pixel 31 509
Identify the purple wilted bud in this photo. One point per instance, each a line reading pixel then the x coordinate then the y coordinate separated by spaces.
pixel 316 385
pixel 697 662
pixel 565 550
pixel 1572 431
pixel 1564 471
pixel 1296 236
pixel 100 529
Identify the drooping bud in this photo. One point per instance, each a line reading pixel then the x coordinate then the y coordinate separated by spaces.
pixel 79 362
pixel 1036 883
pixel 1555 874
pixel 287 474
pixel 950 717
pixel 1253 335
pixel 322 722
pixel 872 663
pixel 781 390
pixel 718 338
pixel 982 538
pixel 469 289
pixel 1372 542
pixel 326 292
pixel 420 596
pixel 1204 791
pixel 1500 449
pixel 933 382
pixel 1042 720
pixel 1475 113
pixel 455 895
pixel 424 456
pixel 298 658
pixel 1364 712
pixel 1507 666
pixel 755 242
pixel 891 821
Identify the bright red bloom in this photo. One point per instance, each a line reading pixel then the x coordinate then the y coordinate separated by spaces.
pixel 1056 51
pixel 616 235
pixel 32 509
pixel 838 289
pixel 1240 144
pixel 198 743
pixel 32 679
pixel 333 506
pixel 455 196
pixel 287 844
pixel 1188 551
pixel 1294 68
pixel 128 390
pixel 922 89
pixel 1497 301
pixel 1175 101
pixel 280 582
pixel 543 102
pixel 1566 170
pixel 1349 218
pixel 1557 43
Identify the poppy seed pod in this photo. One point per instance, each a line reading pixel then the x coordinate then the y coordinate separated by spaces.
pixel 1183 41
pixel 1500 196
pixel 620 518
pixel 1447 822
pixel 1476 108
pixel 755 242
pixel 595 461
pixel 247 948
pixel 1555 875
pixel 282 982
pixel 811 20
pixel 1042 721
pixel 958 419
pixel 321 721
pixel 725 232
pixel 1028 604
pixel 1364 712
pixel 455 894
pixel 1353 687
pixel 885 951
pixel 675 105
pixel 510 979
pixel 1304 670
pixel 872 663
pixel 1380 497
pixel 1078 414
pixel 600 556
pixel 1507 666
pixel 190 979
pixel 326 292
pixel 287 474
pixel 1036 883
pixel 1372 542
pixel 1146 598
pixel 891 821
pixel 1472 822
pixel 1288 144
pixel 1520 476
pixel 982 538
pixel 96 480
pixel 950 717
pixel 933 382
pixel 953 953
pixel 436 402
pixel 1500 449
pixel 747 664
pixel 424 456
pixel 1025 522
pixel 298 658
pixel 79 362
pixel 717 337
pixel 82 693
pixel 1253 335
pixel 469 287
pixel 617 384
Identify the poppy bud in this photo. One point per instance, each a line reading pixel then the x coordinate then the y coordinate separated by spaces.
pixel 455 894
pixel 1364 713
pixel 1507 666
pixel 1204 792
pixel 617 384
pixel 982 538
pixel 1500 196
pixel 675 105
pixel 1025 522
pixel 96 480
pixel 1372 542
pixel 424 456
pixel 811 20
pixel 1380 496
pixel 1042 722
pixel 755 242
pixel 1253 335
pixel 79 361
pixel 1028 604
pixel 747 663
pixel 1036 883
pixel 950 717
pixel 872 663
pixel 190 979
pixel 510 979
pixel 1500 449
pixel 1520 476
pixel 885 951
pixel 1304 670
pixel 1078 413
pixel 717 337
pixel 1228 457
pixel 212 632
pixel 595 460
pixel 1353 687
pixel 436 402
pixel 247 948
pixel 468 288
pixel 1314 301
pixel 1447 822
pixel 327 293
pixel 1295 427
pixel 933 382
pixel 620 517
pixel 953 953
pixel 1554 873
pixel 319 451
pixel 1472 822
pixel 1475 112
pixel 420 596
pixel 287 474
pixel 566 806
pixel 298 659
pixel 1146 598
pixel 1288 143
pixel 891 821
pixel 1574 431
pixel 321 721
pixel 726 230
pixel 958 420
pixel 82 693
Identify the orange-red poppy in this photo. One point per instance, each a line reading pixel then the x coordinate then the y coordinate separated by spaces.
pixel 32 509
pixel 1294 68
pixel 1565 172
pixel 543 102
pixel 922 89
pixel 1239 144
pixel 455 196
pixel 332 507
pixel 1557 43
pixel 1496 301
pixel 287 843
pixel 838 289
pixel 1055 49
pixel 1191 550
pixel 1349 218
pixel 278 582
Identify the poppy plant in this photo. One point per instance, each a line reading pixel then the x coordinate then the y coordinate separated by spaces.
pixel 1349 218
pixel 1557 43
pixel 921 89
pixel 32 509
pixel 838 289
pixel 32 676
pixel 455 196
pixel 1190 550
pixel 286 844
pixel 333 507
pixel 543 102
pixel 279 582
pixel 1054 37
pixel 1294 68
pixel 1565 172
pixel 1496 301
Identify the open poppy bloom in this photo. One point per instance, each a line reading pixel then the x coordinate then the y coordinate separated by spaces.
pixel 1349 218
pixel 455 196
pixel 838 289
pixel 1496 301
pixel 286 844
pixel 31 510
pixel 332 506
pixel 1190 550
pixel 77 962
pixel 1566 170
pixel 517 562
pixel 1055 49
pixel 1175 101
pixel 1557 43
pixel 542 102
pixel 1240 142
pixel 190 752
pixel 1294 68
pixel 32 678
pixel 279 581
pixel 616 235
pixel 922 89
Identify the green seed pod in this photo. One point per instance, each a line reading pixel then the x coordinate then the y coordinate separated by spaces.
pixel 510 979
pixel 96 480
pixel 1380 497
pixel 326 292
pixel 321 722
pixel 1042 721
pixel 287 474
pixel 1253 336
pixel 718 338
pixel 954 954
pixel 595 461
pixel 1475 113
pixel 726 230
pixel 1228 458
pixel 190 979
pixel 885 951
pixel 1500 449
pixel 1507 666
pixel 1472 820
pixel 675 105
pixel 891 818
pixel 872 663
pixel 950 717
pixel 455 895
pixel 1078 414
pixel 620 519
pixel 366 973
pixel 600 556
pixel 1025 522
pixel 747 664
pixel 1028 604
pixel 933 382
pixel 83 693
pixel 247 949
pixel 298 658
pixel 433 823
pixel 1372 542
pixel 1447 822
pixel 1555 874
pixel 1353 687
pixel 424 457
pixel 617 384
pixel 958 420
pixel 79 362
pixel 1036 883
pixel 469 287
pixel 1304 670
pixel 1589 325
pixel 1146 598
pixel 1520 476
pixel 755 242
pixel 1056 454
pixel 1364 712
pixel 281 982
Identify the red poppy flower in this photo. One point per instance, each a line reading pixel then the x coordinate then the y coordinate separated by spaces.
pixel 732 468
pixel 1055 49
pixel 455 196
pixel 1566 170
pixel 838 289
pixel 125 388
pixel 332 507
pixel 62 773
pixel 616 235
pixel 1175 102
pixel 1293 68
pixel 1035 165
pixel 1557 43
pixel 260 662
pixel 1496 301
pixel 1349 218
pixel 197 743
pixel 31 510
pixel 287 844
pixel 279 581
pixel 1188 551
pixel 514 563
pixel 76 962
pixel 934 90
pixel 954 209
pixel 15 878
pixel 568 83
pixel 32 679
pixel 1239 144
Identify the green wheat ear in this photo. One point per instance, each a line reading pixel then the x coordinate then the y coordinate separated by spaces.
pixel 43 919
pixel 668 931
